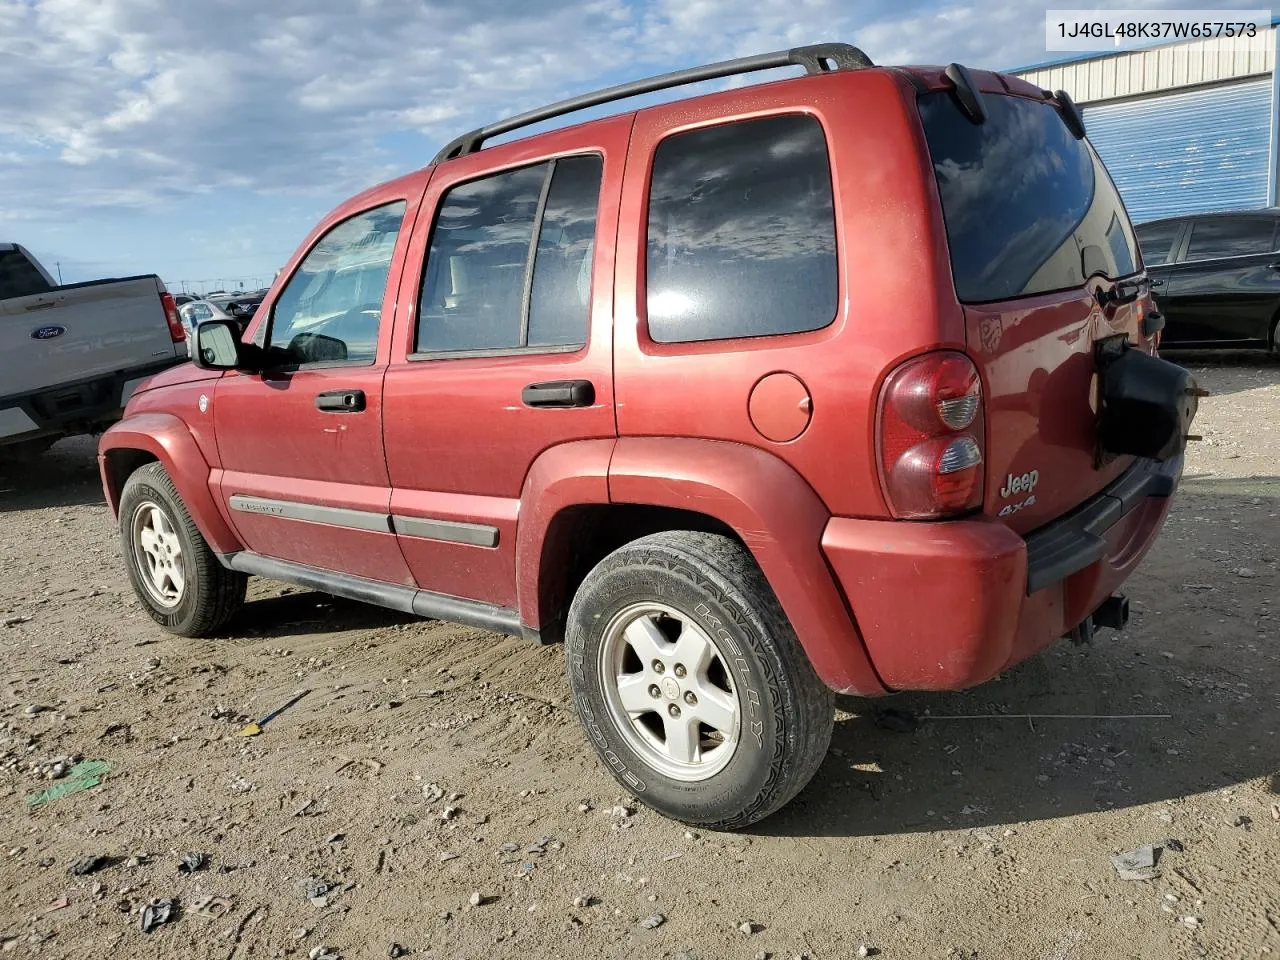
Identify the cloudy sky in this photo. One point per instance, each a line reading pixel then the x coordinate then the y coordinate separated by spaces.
pixel 201 139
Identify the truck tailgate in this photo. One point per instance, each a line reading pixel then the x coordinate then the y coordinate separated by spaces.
pixel 81 331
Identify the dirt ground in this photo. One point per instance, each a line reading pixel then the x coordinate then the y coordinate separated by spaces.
pixel 430 762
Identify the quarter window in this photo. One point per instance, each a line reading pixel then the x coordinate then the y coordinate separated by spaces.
pixel 330 309
pixel 741 239
pixel 1214 239
pixel 509 265
pixel 1156 242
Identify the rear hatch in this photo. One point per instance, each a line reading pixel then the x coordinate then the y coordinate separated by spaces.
pixel 1038 237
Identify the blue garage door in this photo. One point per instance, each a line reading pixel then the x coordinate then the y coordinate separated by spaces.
pixel 1193 152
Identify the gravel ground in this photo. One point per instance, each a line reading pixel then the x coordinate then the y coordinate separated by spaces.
pixel 434 779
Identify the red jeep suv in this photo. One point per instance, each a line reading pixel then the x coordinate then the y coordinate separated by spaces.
pixel 846 382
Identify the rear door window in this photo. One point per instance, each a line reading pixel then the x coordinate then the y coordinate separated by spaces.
pixel 509 264
pixel 1157 240
pixel 1233 237
pixel 741 239
pixel 1028 208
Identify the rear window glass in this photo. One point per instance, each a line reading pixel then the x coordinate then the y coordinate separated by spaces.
pixel 18 278
pixel 1028 207
pixel 1213 239
pixel 742 239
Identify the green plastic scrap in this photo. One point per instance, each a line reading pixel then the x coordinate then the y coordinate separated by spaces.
pixel 85 774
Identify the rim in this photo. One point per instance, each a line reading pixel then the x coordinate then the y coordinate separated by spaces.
pixel 668 688
pixel 157 553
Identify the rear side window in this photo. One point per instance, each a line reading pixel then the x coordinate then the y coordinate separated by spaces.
pixel 1028 207
pixel 509 266
pixel 18 277
pixel 1214 239
pixel 741 238
pixel 1156 242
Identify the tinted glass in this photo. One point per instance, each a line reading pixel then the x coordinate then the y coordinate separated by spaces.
pixel 473 292
pixel 561 293
pixel 330 308
pixel 1028 207
pixel 1211 239
pixel 1156 242
pixel 741 232
pixel 18 278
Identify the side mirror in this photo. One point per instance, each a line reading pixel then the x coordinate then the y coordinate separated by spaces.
pixel 216 346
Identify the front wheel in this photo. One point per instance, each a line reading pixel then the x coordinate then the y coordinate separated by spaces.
pixel 173 571
pixel 691 683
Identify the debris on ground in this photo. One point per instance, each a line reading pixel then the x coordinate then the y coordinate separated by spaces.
pixel 477 899
pixel 59 904
pixel 896 721
pixel 215 908
pixel 1137 864
pixel 653 922
pixel 14 621
pixel 432 792
pixel 316 890
pixel 324 953
pixel 156 913
pixel 747 927
pixel 866 950
pixel 87 865
pixel 255 729
pixel 83 776
pixel 193 861
pixel 397 950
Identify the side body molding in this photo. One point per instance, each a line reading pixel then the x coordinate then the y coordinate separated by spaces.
pixel 779 518
pixel 166 437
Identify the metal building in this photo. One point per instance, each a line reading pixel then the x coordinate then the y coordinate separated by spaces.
pixel 1184 128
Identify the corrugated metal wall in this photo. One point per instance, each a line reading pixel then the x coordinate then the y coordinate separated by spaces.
pixel 1191 152
pixel 1160 68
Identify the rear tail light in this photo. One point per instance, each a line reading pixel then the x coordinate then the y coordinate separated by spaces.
pixel 177 332
pixel 931 437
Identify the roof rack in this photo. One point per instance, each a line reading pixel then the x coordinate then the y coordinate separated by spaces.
pixel 817 58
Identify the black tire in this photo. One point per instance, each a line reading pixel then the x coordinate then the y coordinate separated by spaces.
pixel 787 713
pixel 211 593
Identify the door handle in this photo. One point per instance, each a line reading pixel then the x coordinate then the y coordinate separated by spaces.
pixel 1157 283
pixel 559 393
pixel 340 401
pixel 1274 266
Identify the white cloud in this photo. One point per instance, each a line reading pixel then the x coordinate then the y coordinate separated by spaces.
pixel 130 103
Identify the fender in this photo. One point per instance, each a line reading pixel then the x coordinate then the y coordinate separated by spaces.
pixel 564 476
pixel 167 438
pixel 779 518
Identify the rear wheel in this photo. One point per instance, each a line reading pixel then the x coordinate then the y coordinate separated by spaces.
pixel 691 683
pixel 175 575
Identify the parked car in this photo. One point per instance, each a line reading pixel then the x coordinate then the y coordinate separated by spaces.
pixel 72 354
pixel 1216 278
pixel 749 398
pixel 240 306
pixel 198 311
pixel 180 299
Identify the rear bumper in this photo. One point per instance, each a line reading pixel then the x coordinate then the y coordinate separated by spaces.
pixel 75 407
pixel 944 606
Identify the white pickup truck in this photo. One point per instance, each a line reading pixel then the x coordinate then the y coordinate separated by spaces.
pixel 70 356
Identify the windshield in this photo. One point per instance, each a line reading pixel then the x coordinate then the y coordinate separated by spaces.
pixel 1028 207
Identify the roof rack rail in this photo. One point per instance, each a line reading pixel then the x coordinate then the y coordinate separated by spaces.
pixel 816 58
